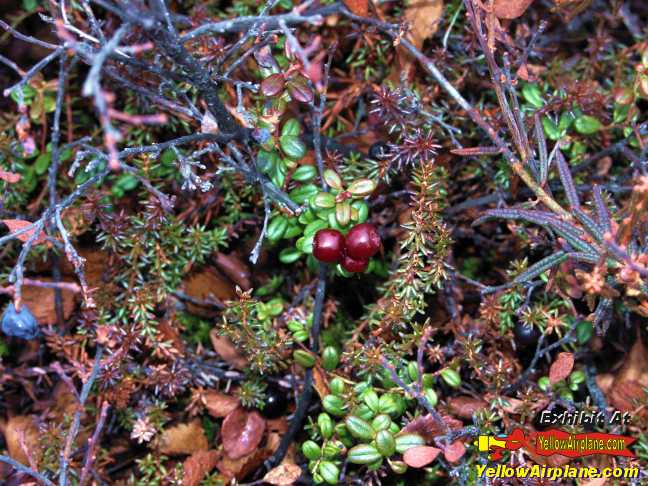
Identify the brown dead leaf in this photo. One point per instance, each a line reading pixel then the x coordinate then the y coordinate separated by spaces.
pixel 234 268
pixel 510 9
pixel 21 433
pixel 226 350
pixel 421 456
pixel 605 381
pixel 454 451
pixel 423 17
pixel 635 366
pixel 428 428
pixel 240 468
pixel 465 406
pixel 197 465
pixel 283 475
pixel 320 382
pixel 210 286
pixel 561 367
pixel 168 333
pixel 358 7
pixel 220 405
pixel 184 438
pixel 42 303
pixel 242 432
pixel 9 177
pixel 627 395
pixel 18 224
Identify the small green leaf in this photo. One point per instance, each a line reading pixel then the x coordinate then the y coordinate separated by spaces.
pixel 314 227
pixel 304 358
pixel 363 454
pixel 364 412
pixel 381 422
pixel 304 173
pixel 544 383
pixel 330 358
pixel 302 194
pixel 362 187
pixel 577 377
pixel 387 404
pixel 325 424
pixel 291 128
pixel 276 228
pixel 371 399
pixel 311 450
pixel 334 405
pixel 359 428
pixel 362 211
pixel 584 332
pixel 343 213
pixel 42 163
pixel 323 200
pixel 431 396
pixel 532 95
pixel 336 385
pixel 332 179
pixel 289 255
pixel 127 182
pixel 267 161
pixel 551 129
pixel 406 441
pixel 292 230
pixel 385 443
pixel 587 125
pixel 329 472
pixel 451 377
pixel 293 147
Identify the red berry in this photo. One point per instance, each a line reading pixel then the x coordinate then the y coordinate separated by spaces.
pixel 354 266
pixel 362 242
pixel 328 245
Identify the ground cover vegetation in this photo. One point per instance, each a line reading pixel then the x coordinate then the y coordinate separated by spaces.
pixel 330 242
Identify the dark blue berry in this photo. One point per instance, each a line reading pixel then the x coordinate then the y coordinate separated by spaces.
pixel 21 324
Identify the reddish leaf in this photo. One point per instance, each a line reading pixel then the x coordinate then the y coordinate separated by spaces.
pixel 273 84
pixel 627 396
pixel 429 428
pixel 421 456
pixel 264 58
pixel 220 405
pixel 300 91
pixel 464 407
pixel 242 433
pixel 226 350
pixel 454 451
pixel 358 7
pixel 10 177
pixel 235 269
pixel 561 367
pixel 197 465
pixel 283 475
pixel 18 224
pixel 510 9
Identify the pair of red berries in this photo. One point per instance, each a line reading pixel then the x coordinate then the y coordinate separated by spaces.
pixel 353 252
